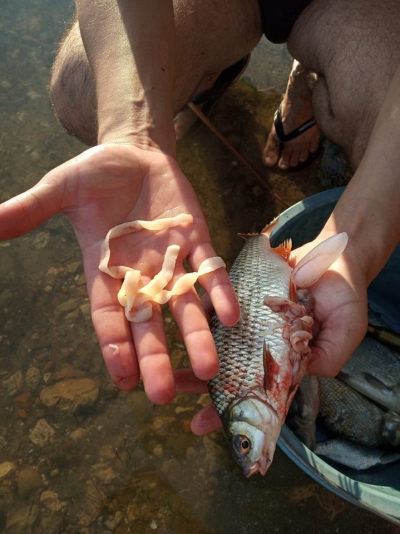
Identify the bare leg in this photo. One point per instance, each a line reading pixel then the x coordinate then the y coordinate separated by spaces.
pixel 296 109
pixel 201 53
pixel 354 48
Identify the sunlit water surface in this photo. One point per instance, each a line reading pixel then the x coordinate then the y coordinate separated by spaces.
pixel 104 461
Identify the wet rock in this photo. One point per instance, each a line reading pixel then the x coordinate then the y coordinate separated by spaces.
pixel 88 508
pixel 51 501
pixel 51 523
pixel 104 473
pixel 6 469
pixel 162 425
pixel 78 434
pixel 158 450
pixel 14 384
pixel 85 310
pixel 28 481
pixel 66 307
pixel 51 276
pixel 33 377
pixel 6 498
pixel 73 268
pixel 42 434
pixel 24 401
pixel 70 395
pixel 41 239
pixel 21 520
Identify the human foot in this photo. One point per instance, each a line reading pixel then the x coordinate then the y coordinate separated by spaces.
pixel 295 114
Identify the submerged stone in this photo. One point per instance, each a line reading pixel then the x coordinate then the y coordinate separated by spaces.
pixel 67 396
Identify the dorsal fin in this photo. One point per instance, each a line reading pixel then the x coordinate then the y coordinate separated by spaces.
pixel 246 236
pixel 268 228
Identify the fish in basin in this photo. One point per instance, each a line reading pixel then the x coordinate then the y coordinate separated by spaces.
pixel 264 357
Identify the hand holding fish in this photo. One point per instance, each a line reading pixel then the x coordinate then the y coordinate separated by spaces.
pixel 340 311
pixel 339 325
pixel 113 184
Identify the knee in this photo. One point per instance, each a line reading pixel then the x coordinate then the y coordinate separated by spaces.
pixel 71 89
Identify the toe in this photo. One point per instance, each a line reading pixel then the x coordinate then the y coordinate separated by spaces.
pixel 271 150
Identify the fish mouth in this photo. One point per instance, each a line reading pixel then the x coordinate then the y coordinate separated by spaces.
pixel 261 466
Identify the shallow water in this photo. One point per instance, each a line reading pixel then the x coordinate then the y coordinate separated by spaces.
pixel 113 462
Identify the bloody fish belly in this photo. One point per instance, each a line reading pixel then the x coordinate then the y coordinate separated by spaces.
pixel 264 356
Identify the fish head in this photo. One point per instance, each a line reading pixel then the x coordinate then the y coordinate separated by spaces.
pixel 253 428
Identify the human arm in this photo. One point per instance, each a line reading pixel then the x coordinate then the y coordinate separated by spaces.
pixel 132 175
pixel 131 50
pixel 369 212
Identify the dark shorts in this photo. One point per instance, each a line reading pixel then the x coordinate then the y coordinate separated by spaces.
pixel 279 16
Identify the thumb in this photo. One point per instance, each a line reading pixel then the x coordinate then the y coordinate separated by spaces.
pixel 28 210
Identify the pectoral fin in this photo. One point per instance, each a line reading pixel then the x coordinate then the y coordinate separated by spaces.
pixel 318 260
pixel 271 369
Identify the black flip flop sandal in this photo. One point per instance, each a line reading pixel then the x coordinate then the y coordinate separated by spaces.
pixel 284 138
pixel 227 78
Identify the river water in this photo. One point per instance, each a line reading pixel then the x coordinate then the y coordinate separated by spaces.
pixel 99 460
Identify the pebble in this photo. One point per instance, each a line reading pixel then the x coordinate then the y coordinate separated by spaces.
pixel 28 481
pixel 51 523
pixel 51 501
pixel 66 307
pixel 78 434
pixel 6 469
pixel 33 377
pixel 14 384
pixel 104 473
pixel 42 434
pixel 158 450
pixel 21 519
pixel 67 396
pixel 162 425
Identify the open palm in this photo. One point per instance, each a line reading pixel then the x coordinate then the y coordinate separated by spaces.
pixel 109 185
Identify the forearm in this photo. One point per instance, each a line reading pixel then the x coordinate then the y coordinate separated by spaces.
pixel 369 209
pixel 130 47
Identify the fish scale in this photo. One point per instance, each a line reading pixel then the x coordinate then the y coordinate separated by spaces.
pixel 240 347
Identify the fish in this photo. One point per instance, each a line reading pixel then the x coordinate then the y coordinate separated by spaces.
pixel 352 416
pixel 303 412
pixel 354 456
pixel 374 371
pixel 264 357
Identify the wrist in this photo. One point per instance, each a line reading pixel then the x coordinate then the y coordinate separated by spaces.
pixel 371 241
pixel 160 140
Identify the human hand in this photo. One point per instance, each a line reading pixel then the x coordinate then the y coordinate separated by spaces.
pixel 109 185
pixel 340 315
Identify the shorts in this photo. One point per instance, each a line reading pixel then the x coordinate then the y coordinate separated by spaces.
pixel 279 16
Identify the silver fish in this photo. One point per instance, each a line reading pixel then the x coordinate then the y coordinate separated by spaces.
pixel 374 371
pixel 354 456
pixel 304 410
pixel 354 417
pixel 264 356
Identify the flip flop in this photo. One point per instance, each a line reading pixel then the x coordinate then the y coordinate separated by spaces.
pixel 227 78
pixel 284 138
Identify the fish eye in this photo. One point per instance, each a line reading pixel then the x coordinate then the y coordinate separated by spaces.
pixel 242 444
